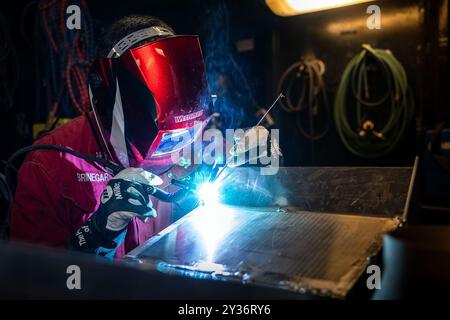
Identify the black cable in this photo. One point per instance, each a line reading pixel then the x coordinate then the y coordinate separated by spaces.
pixel 308 73
pixel 114 167
pixel 47 130
pixel 9 186
pixel 306 79
pixel 5 191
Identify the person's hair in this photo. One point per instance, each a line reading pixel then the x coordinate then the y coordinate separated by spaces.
pixel 123 27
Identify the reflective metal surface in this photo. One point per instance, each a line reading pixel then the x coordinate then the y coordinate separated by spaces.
pixel 299 251
pixel 304 230
pixel 354 190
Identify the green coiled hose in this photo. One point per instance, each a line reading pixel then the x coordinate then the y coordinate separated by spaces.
pixel 366 137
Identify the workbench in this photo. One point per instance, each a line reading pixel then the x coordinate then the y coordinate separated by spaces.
pixel 307 231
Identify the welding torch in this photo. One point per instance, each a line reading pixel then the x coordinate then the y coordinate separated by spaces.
pixel 111 166
pixel 184 185
pixel 116 168
pixel 215 174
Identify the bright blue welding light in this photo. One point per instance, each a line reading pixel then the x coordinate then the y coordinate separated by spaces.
pixel 209 193
pixel 212 222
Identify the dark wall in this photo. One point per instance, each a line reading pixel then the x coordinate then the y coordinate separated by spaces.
pixel 410 29
pixel 15 123
pixel 206 18
pixel 335 37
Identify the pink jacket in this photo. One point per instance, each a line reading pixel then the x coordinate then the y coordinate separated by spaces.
pixel 57 192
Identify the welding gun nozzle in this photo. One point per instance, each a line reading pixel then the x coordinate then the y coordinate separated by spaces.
pixel 184 184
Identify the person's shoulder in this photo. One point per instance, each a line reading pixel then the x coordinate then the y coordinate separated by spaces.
pixel 66 134
pixel 74 135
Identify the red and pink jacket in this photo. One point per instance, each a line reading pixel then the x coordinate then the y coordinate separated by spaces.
pixel 57 192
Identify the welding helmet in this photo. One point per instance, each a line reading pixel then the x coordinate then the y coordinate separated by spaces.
pixel 146 98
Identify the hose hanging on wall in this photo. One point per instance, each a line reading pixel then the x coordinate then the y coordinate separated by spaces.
pixel 304 86
pixel 372 119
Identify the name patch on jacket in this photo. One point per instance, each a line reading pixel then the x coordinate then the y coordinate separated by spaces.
pixel 93 177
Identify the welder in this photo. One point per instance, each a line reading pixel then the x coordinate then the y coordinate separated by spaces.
pixel 146 85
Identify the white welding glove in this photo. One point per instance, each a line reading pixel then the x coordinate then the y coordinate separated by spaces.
pixel 124 198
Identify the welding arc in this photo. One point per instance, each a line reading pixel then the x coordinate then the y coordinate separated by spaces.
pixel 367 138
pixel 311 95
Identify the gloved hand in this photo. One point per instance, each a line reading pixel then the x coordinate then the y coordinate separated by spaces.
pixel 246 150
pixel 124 198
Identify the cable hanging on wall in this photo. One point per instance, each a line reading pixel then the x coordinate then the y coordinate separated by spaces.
pixel 373 105
pixel 304 86
pixel 69 54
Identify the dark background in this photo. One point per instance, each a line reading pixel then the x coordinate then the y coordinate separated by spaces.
pixel 414 30
pixel 410 29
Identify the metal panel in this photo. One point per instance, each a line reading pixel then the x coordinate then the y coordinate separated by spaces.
pixel 303 230
pixel 350 190
pixel 298 251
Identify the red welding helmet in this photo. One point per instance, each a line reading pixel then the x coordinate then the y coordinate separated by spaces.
pixel 145 98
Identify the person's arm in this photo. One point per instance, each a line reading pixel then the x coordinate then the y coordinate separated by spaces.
pixel 39 215
pixel 124 198
pixel 38 212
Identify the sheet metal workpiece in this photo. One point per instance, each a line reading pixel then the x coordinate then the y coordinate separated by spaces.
pixel 319 243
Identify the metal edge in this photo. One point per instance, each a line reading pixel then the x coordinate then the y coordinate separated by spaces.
pixel 302 285
pixel 136 251
pixel 410 189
